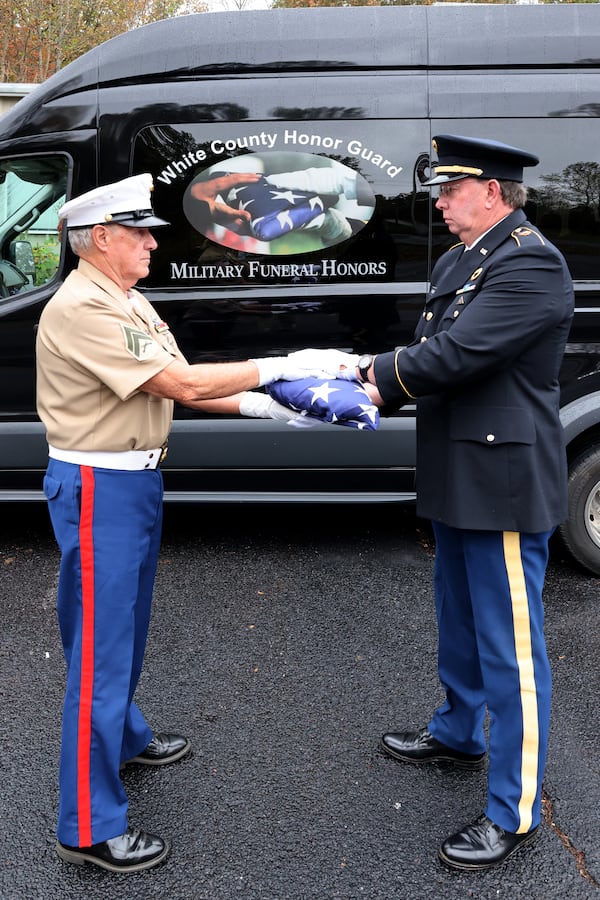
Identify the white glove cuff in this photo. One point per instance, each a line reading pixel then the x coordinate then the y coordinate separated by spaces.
pixel 254 405
pixel 269 369
pixel 261 406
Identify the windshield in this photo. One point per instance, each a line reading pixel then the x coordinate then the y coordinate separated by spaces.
pixel 32 189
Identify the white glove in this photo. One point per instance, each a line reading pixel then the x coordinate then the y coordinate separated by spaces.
pixel 335 227
pixel 269 368
pixel 323 363
pixel 261 406
pixel 306 363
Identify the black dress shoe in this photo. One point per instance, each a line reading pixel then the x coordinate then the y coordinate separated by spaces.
pixel 129 852
pixel 163 749
pixel 481 845
pixel 422 747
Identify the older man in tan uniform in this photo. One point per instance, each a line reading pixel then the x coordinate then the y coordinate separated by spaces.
pixel 108 372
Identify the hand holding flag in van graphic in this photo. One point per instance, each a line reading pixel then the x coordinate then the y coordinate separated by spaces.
pixel 277 210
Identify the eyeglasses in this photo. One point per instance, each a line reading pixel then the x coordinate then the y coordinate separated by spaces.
pixel 446 190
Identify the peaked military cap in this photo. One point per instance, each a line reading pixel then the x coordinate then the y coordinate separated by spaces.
pixel 468 157
pixel 125 202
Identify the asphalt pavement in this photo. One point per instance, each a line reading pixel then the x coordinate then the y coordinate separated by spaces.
pixel 284 641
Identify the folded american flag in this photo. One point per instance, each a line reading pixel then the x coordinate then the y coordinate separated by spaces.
pixel 275 211
pixel 333 400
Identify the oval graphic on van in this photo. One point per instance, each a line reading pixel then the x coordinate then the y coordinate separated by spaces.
pixel 278 203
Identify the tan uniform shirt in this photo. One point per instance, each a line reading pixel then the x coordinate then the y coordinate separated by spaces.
pixel 95 346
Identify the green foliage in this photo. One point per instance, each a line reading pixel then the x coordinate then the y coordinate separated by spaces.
pixel 46 257
pixel 39 37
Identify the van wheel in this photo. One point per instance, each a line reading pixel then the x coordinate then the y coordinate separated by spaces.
pixel 580 534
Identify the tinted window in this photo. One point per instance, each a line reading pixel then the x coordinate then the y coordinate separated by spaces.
pixel 337 201
pixel 564 189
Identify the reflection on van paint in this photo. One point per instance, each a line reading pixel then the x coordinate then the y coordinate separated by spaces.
pixel 279 203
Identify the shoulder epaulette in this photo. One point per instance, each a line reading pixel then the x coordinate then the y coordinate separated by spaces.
pixel 524 233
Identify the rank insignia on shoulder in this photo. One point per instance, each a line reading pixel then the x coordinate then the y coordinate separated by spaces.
pixel 139 344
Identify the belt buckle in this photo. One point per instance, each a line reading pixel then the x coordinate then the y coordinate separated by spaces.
pixel 163 454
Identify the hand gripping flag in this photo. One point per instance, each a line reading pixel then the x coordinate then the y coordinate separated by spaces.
pixel 275 211
pixel 333 400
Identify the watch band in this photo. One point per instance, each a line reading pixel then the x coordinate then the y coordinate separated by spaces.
pixel 364 364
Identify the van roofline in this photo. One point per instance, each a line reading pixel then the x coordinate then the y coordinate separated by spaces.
pixel 363 38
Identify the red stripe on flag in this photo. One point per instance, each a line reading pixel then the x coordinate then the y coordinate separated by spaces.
pixel 86 689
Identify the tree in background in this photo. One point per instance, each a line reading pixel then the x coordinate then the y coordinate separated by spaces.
pixel 39 37
pixel 291 4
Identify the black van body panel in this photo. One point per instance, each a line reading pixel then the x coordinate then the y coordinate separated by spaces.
pixel 362 90
pixel 318 40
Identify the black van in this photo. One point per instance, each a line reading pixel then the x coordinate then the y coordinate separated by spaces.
pixel 337 106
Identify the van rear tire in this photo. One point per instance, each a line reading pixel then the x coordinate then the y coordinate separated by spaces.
pixel 580 533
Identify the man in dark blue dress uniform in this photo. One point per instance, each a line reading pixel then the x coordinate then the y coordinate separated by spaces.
pixel 491 476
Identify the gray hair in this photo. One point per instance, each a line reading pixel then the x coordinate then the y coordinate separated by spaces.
pixel 513 193
pixel 80 239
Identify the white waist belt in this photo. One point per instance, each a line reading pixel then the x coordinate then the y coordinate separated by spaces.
pixel 131 460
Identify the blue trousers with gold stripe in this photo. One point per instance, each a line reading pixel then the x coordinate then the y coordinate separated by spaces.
pixel 492 657
pixel 107 524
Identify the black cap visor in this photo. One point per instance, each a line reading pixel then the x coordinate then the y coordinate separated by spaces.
pixel 136 218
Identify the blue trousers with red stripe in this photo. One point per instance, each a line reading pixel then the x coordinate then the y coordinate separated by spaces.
pixel 492 656
pixel 108 527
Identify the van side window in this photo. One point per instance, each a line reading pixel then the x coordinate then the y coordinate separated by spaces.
pixel 32 189
pixel 564 189
pixel 283 203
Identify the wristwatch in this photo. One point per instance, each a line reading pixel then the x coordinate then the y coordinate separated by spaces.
pixel 364 364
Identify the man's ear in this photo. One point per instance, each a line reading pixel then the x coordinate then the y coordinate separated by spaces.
pixel 101 237
pixel 493 193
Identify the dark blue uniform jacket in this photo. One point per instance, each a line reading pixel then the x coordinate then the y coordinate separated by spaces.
pixel 483 368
